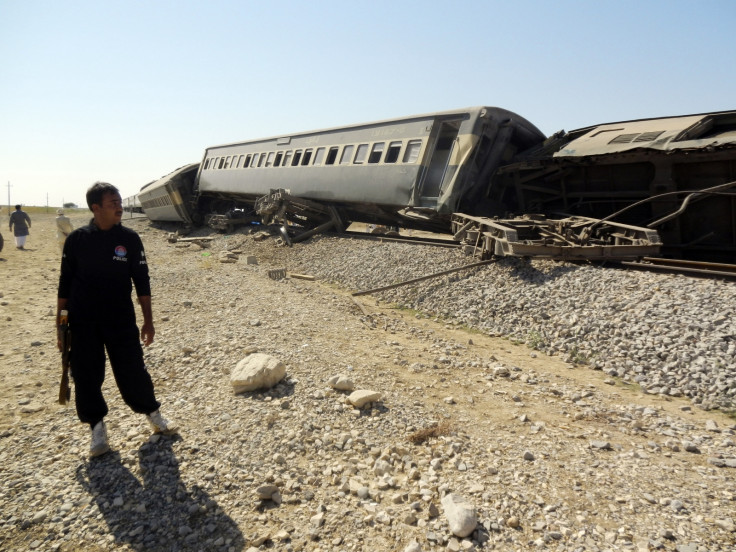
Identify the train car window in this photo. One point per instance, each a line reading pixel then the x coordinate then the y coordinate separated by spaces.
pixel 319 156
pixel 254 162
pixel 279 157
pixel 269 158
pixel 392 154
pixel 307 156
pixel 213 165
pixel 247 160
pixel 361 154
pixel 221 163
pixel 206 164
pixel 297 157
pixel 347 154
pixel 376 151
pixel 227 162
pixel 287 158
pixel 331 156
pixel 261 159
pixel 240 162
pixel 411 153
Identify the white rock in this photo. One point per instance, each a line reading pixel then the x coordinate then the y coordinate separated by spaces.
pixel 257 371
pixel 341 383
pixel 461 515
pixel 362 397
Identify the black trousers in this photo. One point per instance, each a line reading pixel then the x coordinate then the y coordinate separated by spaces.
pixel 126 358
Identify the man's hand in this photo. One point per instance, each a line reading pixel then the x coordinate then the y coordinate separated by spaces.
pixel 147 333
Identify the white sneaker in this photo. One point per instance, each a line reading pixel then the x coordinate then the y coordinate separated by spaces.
pixel 99 444
pixel 161 424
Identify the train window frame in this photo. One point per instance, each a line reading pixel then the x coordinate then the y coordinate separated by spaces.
pixel 206 164
pixel 254 161
pixel 248 159
pixel 227 162
pixel 361 154
pixel 269 158
pixel 346 156
pixel 240 162
pixel 411 152
pixel 376 149
pixel 287 158
pixel 261 159
pixel 279 158
pixel 221 163
pixel 393 152
pixel 319 156
pixel 307 157
pixel 332 155
pixel 297 158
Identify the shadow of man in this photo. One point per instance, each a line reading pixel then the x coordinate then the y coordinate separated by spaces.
pixel 159 515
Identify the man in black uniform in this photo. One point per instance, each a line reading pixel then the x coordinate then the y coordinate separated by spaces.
pixel 98 263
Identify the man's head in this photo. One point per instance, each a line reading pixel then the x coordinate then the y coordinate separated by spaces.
pixel 104 201
pixel 17 207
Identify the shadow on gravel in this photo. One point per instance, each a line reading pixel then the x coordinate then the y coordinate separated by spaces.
pixel 161 514
pixel 523 269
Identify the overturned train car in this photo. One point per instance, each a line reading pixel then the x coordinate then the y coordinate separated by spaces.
pixel 675 175
pixel 412 172
pixel 670 174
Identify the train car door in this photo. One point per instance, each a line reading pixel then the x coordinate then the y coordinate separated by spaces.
pixel 437 167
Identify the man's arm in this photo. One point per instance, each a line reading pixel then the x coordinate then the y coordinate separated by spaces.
pixel 147 329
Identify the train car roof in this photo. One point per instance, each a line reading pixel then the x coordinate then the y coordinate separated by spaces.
pixel 439 114
pixel 706 130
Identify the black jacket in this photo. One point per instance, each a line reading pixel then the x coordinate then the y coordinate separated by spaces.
pixel 98 268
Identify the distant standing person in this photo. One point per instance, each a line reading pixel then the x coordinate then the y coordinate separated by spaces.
pixel 63 228
pixel 22 223
pixel 99 266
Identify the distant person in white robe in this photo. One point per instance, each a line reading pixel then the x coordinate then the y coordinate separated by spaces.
pixel 63 227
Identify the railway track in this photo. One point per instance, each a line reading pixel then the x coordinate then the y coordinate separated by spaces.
pixel 655 264
pixel 679 266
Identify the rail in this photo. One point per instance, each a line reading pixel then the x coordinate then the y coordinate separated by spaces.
pixel 680 266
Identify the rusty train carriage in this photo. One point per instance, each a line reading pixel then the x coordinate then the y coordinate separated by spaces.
pixel 649 164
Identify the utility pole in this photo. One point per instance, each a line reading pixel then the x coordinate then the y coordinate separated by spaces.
pixel 9 198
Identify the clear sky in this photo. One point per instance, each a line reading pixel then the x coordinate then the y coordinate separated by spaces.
pixel 127 91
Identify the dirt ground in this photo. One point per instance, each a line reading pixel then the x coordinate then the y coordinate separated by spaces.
pixel 28 307
pixel 28 358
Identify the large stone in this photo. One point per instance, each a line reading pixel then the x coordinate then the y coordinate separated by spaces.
pixel 460 514
pixel 362 397
pixel 341 383
pixel 257 371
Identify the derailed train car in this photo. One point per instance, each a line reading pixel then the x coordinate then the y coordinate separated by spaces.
pixel 412 172
pixel 672 174
pixel 170 197
pixel 415 172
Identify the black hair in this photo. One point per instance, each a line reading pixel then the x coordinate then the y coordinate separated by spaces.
pixel 97 190
pixel 17 207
